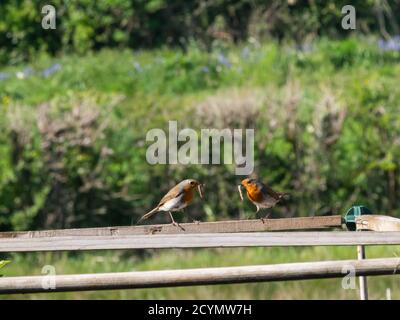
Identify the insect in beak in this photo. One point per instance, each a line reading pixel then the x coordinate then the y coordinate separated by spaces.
pixel 200 188
pixel 240 191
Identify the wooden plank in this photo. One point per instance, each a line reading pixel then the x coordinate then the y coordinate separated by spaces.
pixel 204 240
pixel 201 276
pixel 362 279
pixel 254 225
pixel 377 223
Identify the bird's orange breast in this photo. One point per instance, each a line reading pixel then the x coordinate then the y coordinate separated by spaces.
pixel 254 193
pixel 188 195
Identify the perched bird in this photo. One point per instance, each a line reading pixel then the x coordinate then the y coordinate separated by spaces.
pixel 261 195
pixel 178 198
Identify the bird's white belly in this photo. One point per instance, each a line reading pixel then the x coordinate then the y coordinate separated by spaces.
pixel 174 204
pixel 268 202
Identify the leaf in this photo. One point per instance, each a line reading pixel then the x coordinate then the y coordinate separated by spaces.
pixel 4 263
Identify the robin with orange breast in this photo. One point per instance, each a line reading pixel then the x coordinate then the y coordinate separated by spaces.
pixel 178 198
pixel 261 195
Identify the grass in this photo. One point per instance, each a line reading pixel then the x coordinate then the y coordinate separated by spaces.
pixel 169 73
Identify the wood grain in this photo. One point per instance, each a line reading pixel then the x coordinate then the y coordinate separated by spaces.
pixel 362 279
pixel 377 223
pixel 202 240
pixel 254 225
pixel 202 276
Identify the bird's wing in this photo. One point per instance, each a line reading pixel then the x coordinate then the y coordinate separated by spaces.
pixel 173 193
pixel 269 191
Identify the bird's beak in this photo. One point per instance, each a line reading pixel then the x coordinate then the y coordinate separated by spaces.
pixel 240 191
pixel 200 188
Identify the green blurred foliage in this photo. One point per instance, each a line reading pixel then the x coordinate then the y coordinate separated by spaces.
pixel 73 144
pixel 3 263
pixel 76 104
pixel 84 25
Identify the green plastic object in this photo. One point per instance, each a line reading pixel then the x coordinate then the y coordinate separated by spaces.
pixel 352 214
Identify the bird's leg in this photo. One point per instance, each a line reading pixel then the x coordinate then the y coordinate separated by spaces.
pixel 258 209
pixel 266 217
pixel 175 223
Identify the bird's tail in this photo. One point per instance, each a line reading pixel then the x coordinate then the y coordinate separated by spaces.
pixel 284 196
pixel 148 215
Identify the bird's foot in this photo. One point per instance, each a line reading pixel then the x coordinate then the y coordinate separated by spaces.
pixel 196 221
pixel 178 225
pixel 263 220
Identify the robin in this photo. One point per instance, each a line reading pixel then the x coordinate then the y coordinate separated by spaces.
pixel 261 195
pixel 178 198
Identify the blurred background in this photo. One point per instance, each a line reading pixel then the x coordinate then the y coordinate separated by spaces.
pixel 76 103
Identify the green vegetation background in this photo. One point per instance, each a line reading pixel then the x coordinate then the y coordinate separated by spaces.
pixel 76 109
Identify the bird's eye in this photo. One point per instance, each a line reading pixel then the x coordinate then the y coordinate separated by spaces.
pixel 192 183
